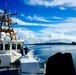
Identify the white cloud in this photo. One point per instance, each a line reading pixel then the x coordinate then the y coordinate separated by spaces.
pixel 71 19
pixel 64 31
pixel 61 27
pixel 45 36
pixel 55 17
pixel 27 35
pixel 68 3
pixel 62 8
pixel 1 11
pixel 22 15
pixel 18 21
pixel 37 18
pixel 57 37
pixel 59 32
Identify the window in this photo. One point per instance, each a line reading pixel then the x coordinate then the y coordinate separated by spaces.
pixel 7 46
pixel 18 46
pixel 13 46
pixel 1 46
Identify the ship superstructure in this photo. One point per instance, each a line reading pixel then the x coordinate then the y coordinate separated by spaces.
pixel 9 44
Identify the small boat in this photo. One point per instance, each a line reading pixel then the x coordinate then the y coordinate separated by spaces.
pixel 9 44
pixel 10 47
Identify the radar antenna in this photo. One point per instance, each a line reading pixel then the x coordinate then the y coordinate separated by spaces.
pixel 6 24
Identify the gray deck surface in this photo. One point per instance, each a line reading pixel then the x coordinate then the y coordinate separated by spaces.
pixel 11 71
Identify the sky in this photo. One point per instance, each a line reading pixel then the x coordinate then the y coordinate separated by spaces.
pixel 40 21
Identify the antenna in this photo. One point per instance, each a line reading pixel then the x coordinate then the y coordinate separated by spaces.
pixel 6 4
pixel 5 8
pixel 15 10
pixel 6 23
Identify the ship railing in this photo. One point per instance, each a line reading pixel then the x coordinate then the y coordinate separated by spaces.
pixel 42 64
pixel 29 73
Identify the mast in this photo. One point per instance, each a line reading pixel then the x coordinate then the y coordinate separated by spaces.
pixel 6 24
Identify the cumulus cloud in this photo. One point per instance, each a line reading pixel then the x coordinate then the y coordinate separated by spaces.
pixel 61 32
pixel 20 22
pixel 37 18
pixel 71 19
pixel 1 11
pixel 44 36
pixel 64 31
pixel 68 3
pixel 22 15
pixel 61 27
pixel 56 17
pixel 62 8
pixel 57 37
pixel 27 35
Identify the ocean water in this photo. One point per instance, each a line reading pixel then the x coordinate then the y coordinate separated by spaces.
pixel 45 51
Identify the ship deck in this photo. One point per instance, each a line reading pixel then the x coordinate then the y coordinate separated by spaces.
pixel 11 71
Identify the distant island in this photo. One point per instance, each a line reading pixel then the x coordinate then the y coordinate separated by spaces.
pixel 55 43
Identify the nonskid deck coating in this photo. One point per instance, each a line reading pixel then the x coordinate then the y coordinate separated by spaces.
pixel 10 71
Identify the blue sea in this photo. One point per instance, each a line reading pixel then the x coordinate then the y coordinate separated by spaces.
pixel 45 51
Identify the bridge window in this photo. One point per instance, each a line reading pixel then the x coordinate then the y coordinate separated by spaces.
pixel 18 46
pixel 7 46
pixel 1 46
pixel 13 46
